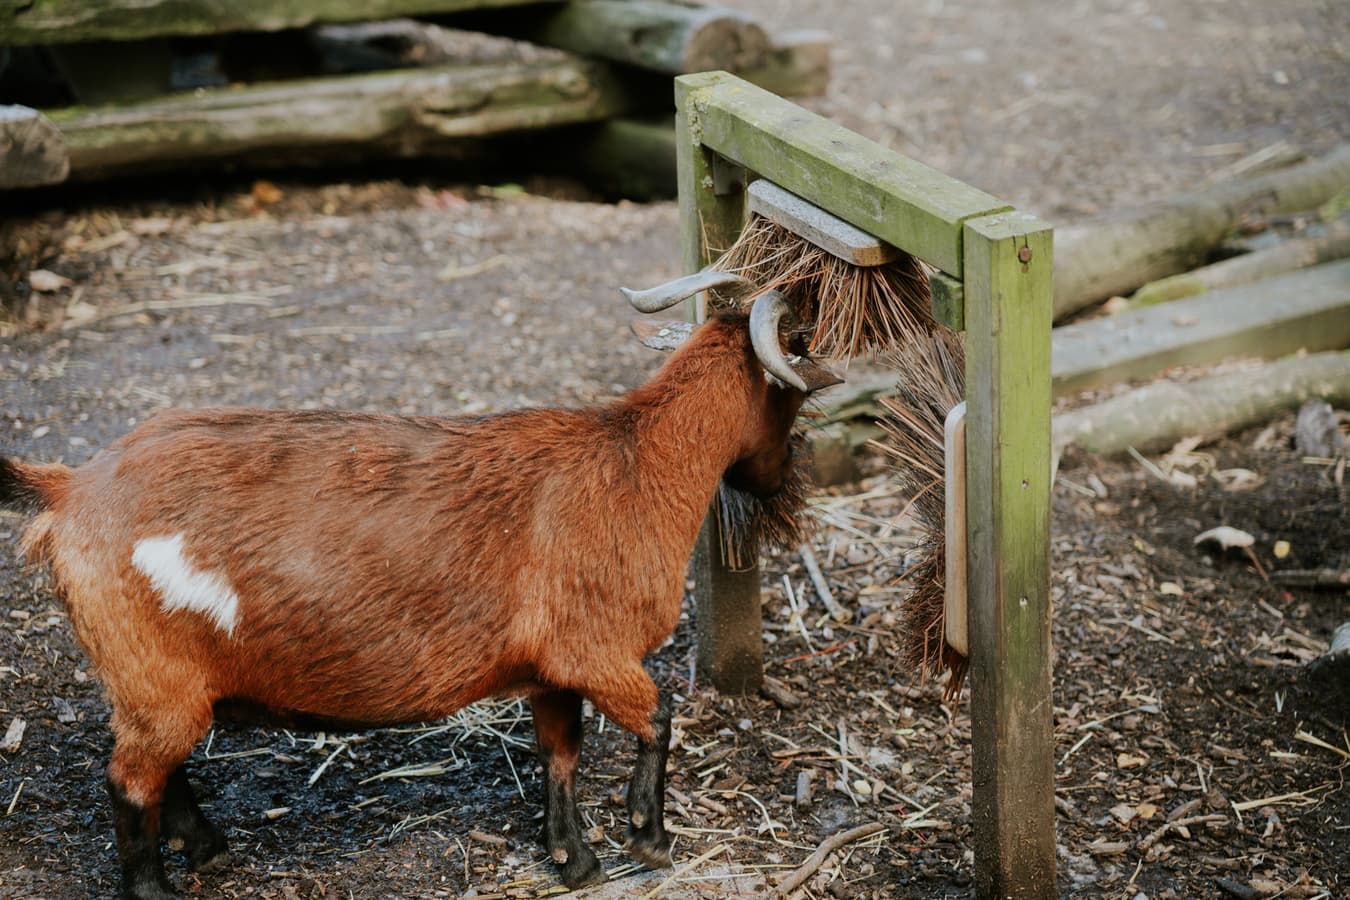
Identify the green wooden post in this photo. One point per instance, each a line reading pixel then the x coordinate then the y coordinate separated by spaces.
pixel 997 284
pixel 727 603
pixel 1007 293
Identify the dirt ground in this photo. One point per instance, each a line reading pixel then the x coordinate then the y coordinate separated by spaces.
pixel 1181 695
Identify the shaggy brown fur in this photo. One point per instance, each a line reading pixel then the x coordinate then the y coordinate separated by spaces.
pixel 395 569
pixel 748 522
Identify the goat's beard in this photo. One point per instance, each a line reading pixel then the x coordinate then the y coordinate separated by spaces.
pixel 747 523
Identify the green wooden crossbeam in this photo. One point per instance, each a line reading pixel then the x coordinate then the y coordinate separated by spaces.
pixel 896 199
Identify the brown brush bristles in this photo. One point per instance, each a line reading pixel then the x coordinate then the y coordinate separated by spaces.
pixel 932 372
pixel 776 522
pixel 853 309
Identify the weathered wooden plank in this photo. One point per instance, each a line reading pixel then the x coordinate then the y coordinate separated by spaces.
pixel 712 213
pixel 1156 416
pixel 1305 310
pixel 727 616
pixel 726 601
pixel 32 151
pixel 1008 262
pixel 896 199
pixel 24 22
pixel 825 230
pixel 673 38
pixel 403 110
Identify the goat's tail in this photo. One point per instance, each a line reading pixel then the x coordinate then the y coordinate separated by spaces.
pixel 32 487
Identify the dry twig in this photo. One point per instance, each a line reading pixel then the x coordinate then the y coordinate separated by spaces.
pixel 798 876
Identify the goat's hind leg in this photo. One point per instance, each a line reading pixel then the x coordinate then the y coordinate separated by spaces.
pixel 186 828
pixel 151 741
pixel 557 728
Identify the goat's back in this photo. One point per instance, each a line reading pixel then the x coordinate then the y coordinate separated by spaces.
pixel 369 568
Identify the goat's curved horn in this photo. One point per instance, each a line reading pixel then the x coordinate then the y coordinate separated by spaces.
pixel 768 311
pixel 667 295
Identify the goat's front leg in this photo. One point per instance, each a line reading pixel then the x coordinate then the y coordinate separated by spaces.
pixel 630 699
pixel 647 839
pixel 557 729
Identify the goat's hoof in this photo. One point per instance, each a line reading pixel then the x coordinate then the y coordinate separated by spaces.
pixel 652 854
pixel 582 869
pixel 151 890
pixel 210 862
pixel 207 850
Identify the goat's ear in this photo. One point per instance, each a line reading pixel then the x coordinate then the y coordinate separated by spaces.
pixel 661 334
pixel 816 376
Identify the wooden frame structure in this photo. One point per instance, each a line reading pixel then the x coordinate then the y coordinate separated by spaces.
pixel 995 283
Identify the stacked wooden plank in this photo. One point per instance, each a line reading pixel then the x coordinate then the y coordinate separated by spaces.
pixel 317 86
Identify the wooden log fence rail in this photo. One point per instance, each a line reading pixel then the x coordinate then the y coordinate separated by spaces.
pixel 610 70
pixel 27 22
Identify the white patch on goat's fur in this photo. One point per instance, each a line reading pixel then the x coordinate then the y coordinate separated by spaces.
pixel 181 586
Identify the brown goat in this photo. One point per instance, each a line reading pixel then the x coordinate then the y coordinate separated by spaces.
pixel 356 570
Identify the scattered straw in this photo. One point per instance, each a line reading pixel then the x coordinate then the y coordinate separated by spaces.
pixel 799 876
pixel 1294 798
pixel 685 869
pixel 325 764
pixel 1307 738
pixel 418 770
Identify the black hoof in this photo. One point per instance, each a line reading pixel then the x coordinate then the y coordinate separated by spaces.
pixel 203 863
pixel 150 890
pixel 206 847
pixel 652 853
pixel 580 869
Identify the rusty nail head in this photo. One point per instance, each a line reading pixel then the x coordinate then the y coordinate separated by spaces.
pixel 1024 254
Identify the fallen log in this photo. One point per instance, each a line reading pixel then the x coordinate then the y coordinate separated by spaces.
pixel 1296 253
pixel 798 65
pixel 671 38
pixel 1114 255
pixel 1158 415
pixel 24 22
pixel 1305 310
pixel 32 150
pixel 624 157
pixel 404 112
